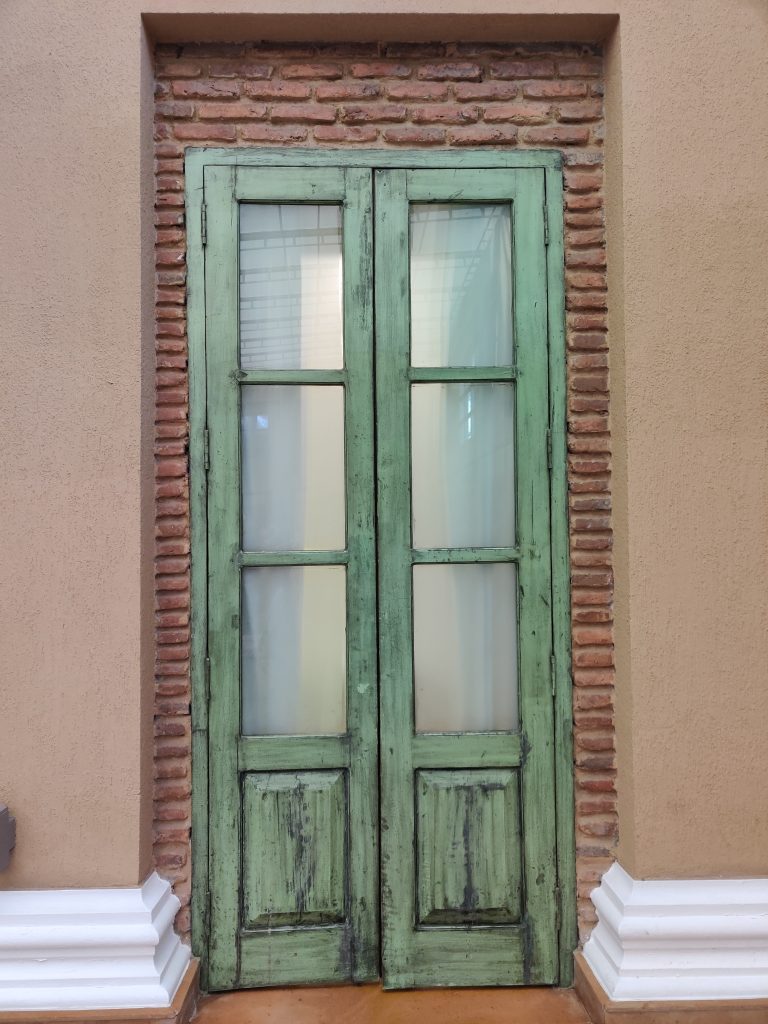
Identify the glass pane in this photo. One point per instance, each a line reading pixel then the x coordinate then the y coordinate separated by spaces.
pixel 463 465
pixel 461 284
pixel 294 650
pixel 465 647
pixel 292 467
pixel 290 286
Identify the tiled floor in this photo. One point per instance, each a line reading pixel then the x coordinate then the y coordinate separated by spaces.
pixel 369 1004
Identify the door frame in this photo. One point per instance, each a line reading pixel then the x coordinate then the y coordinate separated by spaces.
pixel 550 161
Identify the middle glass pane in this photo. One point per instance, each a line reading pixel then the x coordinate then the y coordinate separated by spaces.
pixel 292 454
pixel 463 465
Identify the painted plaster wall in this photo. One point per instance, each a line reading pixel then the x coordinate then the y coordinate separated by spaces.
pixel 687 224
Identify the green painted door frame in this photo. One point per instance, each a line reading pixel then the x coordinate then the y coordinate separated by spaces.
pixel 535 766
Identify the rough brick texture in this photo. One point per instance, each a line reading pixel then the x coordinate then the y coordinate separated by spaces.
pixel 389 96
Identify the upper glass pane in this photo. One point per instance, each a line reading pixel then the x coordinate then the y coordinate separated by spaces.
pixel 292 451
pixel 291 315
pixel 461 284
pixel 463 465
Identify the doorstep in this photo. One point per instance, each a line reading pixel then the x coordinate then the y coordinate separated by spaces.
pixel 370 1004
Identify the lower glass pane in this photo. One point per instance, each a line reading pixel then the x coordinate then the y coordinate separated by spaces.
pixel 294 650
pixel 465 647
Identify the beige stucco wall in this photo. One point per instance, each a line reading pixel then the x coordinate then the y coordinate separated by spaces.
pixel 688 222
pixel 688 279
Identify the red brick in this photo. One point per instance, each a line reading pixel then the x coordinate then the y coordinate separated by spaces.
pixel 588 258
pixel 602 699
pixel 586 300
pixel 203 90
pixel 247 69
pixel 518 113
pixel 583 68
pixel 451 71
pixel 593 677
pixel 589 110
pixel 470 91
pixel 584 238
pixel 591 219
pixel 580 202
pixel 167 769
pixel 171 467
pixel 522 69
pixel 598 785
pixel 554 90
pixel 418 91
pixel 376 112
pixel 170 860
pixel 277 90
pixel 585 279
pixel 312 71
pixel 557 136
pixel 411 136
pixel 307 113
pixel 267 133
pixel 342 133
pixel 177 69
pixel 598 828
pixel 583 181
pixel 205 132
pixel 342 91
pixel 583 636
pixel 232 111
pixel 170 378
pixel 169 199
pixel 167 150
pixel 175 109
pixel 483 135
pixel 446 113
pixel 380 69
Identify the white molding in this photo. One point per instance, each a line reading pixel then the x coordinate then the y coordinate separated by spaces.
pixel 90 949
pixel 684 939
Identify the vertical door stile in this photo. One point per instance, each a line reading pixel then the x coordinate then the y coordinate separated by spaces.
pixel 394 540
pixel 538 783
pixel 221 283
pixel 363 834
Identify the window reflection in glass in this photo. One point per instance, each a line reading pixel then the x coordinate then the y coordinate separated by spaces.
pixel 290 286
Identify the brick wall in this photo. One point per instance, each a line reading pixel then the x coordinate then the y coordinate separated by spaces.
pixel 392 96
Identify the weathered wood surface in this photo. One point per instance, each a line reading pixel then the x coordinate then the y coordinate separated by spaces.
pixel 508 953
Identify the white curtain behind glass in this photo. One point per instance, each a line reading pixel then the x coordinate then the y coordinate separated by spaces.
pixel 463 467
pixel 293 655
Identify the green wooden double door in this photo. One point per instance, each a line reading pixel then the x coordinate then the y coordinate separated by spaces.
pixel 381 762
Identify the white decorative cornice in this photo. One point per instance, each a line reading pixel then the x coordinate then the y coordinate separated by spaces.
pixel 90 949
pixel 684 939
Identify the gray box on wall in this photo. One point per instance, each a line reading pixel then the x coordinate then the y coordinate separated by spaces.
pixel 7 836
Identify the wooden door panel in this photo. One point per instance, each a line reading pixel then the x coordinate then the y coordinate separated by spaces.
pixel 468 846
pixel 295 865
